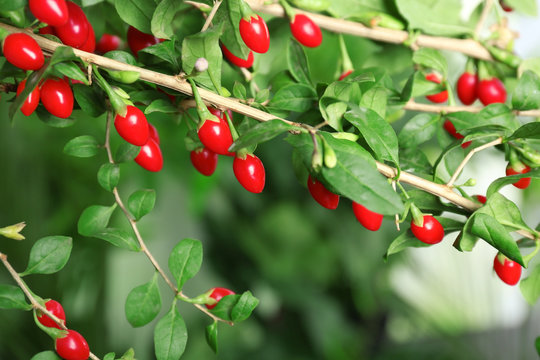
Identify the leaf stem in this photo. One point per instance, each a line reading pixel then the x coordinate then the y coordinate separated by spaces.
pixel 211 15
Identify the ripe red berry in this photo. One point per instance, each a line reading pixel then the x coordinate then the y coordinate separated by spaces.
pixel 450 128
pixel 439 97
pixel 431 232
pixel 47 30
pixel 204 160
pixel 22 51
pixel 90 43
pixel 523 182
pixel 345 74
pixel 57 310
pixel 255 33
pixel 73 346
pixel 153 133
pixel 466 88
pixel 51 12
pixel 250 173
pixel 216 136
pixel 137 40
pixel 75 31
pixel 491 91
pixel 217 294
pixel 31 102
pixel 235 60
pixel 150 157
pixel 369 219
pixel 508 270
pixel 133 127
pixel 321 194
pixel 57 97
pixel 306 31
pixel 107 43
pixel 481 198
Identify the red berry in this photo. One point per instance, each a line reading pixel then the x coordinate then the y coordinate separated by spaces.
pixel 216 136
pixel 491 91
pixel 306 31
pixel 107 43
pixel 138 40
pixel 75 32
pixel 369 219
pixel 450 128
pixel 218 294
pixel 150 157
pixel 52 12
pixel 321 194
pixel 133 127
pixel 153 133
pixel 508 271
pixel 31 102
pixel 439 97
pixel 90 43
pixel 47 30
pixel 345 74
pixel 204 160
pixel 505 7
pixel 22 51
pixel 250 173
pixel 523 182
pixel 466 88
pixel 235 60
pixel 72 347
pixel 57 97
pixel 481 198
pixel 255 33
pixel 431 232
pixel 57 310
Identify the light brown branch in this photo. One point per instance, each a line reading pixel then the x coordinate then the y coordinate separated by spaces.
pixel 211 15
pixel 485 12
pixel 414 106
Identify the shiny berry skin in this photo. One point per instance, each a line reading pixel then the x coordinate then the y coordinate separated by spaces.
pixel 51 12
pixel 523 182
pixel 150 157
pixel 466 88
pixel 90 43
pixel 133 127
pixel 138 40
pixel 107 43
pixel 369 219
pixel 57 310
pixel 508 271
pixel 235 60
pixel 481 198
pixel 322 195
pixel 491 91
pixel 345 74
pixel 306 31
pixel 217 294
pixel 75 32
pixel 216 136
pixel 431 232
pixel 57 97
pixel 72 347
pixel 204 160
pixel 450 128
pixel 31 102
pixel 153 133
pixel 250 173
pixel 255 34
pixel 439 97
pixel 23 52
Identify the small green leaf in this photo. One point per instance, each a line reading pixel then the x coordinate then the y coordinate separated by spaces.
pixel 211 332
pixel 496 185
pixel 537 345
pixel 262 96
pixel 110 356
pixel 108 176
pixel 185 260
pixel 228 16
pixel 297 63
pixel 82 146
pixel 94 219
pixel 118 237
pixel 10 5
pixel 528 131
pixel 239 91
pixel 224 307
pixel 72 71
pixel 141 202
pixel 128 355
pixel 89 99
pixel 136 13
pixel 143 303
pixel 205 45
pixel 294 97
pixel 165 51
pixel 162 19
pixel 126 152
pixel 530 286
pixel 49 355
pixel 161 105
pixel 244 307
pixel 432 59
pixel 170 336
pixel 49 255
pixel 418 130
pixel 263 131
pixel 12 297
pixel 405 240
pixel 526 95
pixel 122 56
pixel 333 102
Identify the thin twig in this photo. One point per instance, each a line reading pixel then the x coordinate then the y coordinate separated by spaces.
pixel 211 15
pixel 483 17
pixel 414 106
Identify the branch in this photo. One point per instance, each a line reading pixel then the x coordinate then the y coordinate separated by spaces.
pixel 483 17
pixel 414 106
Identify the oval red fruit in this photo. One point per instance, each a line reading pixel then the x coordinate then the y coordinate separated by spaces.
pixel 345 74
pixel 508 270
pixel 321 194
pixel 431 232
pixel 369 219
pixel 466 88
pixel 255 33
pixel 153 133
pixel 137 40
pixel 73 346
pixel 150 157
pixel 90 43
pixel 47 30
pixel 250 173
pixel 450 128
pixel 133 127
pixel 31 102
pixel 22 51
pixel 107 43
pixel 523 182
pixel 491 91
pixel 438 97
pixel 57 310
pixel 481 198
pixel 204 160
pixel 235 60
pixel 217 294
pixel 57 97
pixel 52 12
pixel 75 31
pixel 216 136
pixel 306 31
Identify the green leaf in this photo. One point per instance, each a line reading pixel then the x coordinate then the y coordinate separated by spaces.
pixel 294 97
pixel 161 105
pixel 119 238
pixel 418 130
pixel 53 121
pixel 170 336
pixel 263 131
pixel 205 45
pixel 10 5
pixel 108 176
pixel 12 297
pixel 244 307
pixel 109 356
pixel 211 332
pixel 405 240
pixel 239 91
pixel 528 7
pixel 88 98
pixel 262 96
pixel 448 161
pixel 228 16
pixel 224 307
pixel 537 345
pixel 31 82
pixel 94 219
pixel 527 131
pixel 82 146
pixel 530 286
pixel 49 255
pixel 297 62
pixel 431 59
pixel 141 202
pixel 48 355
pixel 185 260
pixel 334 102
pixel 165 51
pixel 375 99
pixel 122 56
pixel 143 303
pixel 136 13
pixel 162 19
pixel 72 71
pixel 128 355
pixel 496 185
pixel 126 152
pixel 526 95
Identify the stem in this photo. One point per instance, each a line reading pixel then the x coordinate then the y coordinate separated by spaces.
pixel 211 15
pixel 483 17
pixel 346 63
